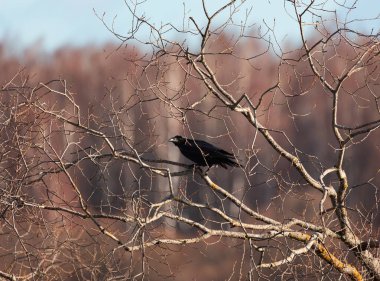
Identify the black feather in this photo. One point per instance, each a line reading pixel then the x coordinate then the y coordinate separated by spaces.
pixel 203 153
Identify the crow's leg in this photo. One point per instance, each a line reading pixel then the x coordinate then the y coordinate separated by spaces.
pixel 208 169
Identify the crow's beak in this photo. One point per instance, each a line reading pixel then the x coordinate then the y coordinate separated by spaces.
pixel 171 140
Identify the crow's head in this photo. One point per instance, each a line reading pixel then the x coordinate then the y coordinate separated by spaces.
pixel 177 140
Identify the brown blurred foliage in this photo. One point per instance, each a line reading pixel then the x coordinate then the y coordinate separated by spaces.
pixel 95 76
pixel 112 89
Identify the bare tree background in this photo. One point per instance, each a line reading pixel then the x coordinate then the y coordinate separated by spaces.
pixel 91 190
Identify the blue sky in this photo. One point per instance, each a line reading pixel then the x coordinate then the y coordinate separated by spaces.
pixel 54 24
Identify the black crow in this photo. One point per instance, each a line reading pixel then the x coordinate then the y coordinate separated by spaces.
pixel 203 153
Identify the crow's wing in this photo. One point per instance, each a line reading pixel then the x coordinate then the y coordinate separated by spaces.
pixel 204 153
pixel 209 148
